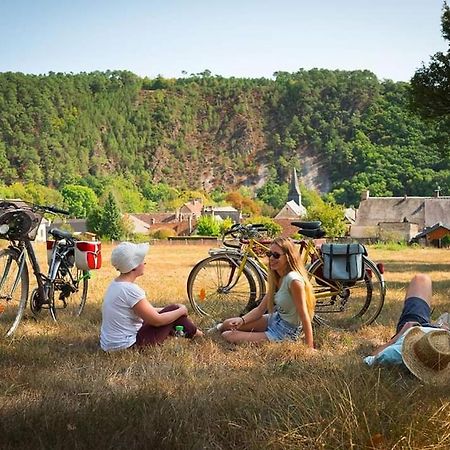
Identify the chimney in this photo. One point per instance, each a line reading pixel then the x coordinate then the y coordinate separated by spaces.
pixel 437 192
pixel 365 195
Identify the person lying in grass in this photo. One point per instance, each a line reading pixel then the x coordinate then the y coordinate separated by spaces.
pixel 289 300
pixel 128 318
pixel 421 345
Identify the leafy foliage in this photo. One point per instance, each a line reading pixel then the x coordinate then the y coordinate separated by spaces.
pixel 331 216
pixel 151 142
pixel 107 221
pixel 274 194
pixel 208 226
pixel 430 85
pixel 80 200
pixel 273 229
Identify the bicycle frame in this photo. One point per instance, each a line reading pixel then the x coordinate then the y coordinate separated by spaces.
pixel 24 248
pixel 59 258
pixel 243 256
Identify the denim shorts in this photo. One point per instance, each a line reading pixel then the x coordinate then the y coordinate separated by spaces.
pixel 278 329
pixel 415 309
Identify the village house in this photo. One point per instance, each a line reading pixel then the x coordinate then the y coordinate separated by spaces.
pixel 223 212
pixel 399 218
pixel 148 223
pixel 292 210
pixel 191 209
pixel 183 221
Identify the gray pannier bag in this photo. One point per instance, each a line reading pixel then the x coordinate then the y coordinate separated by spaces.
pixel 343 262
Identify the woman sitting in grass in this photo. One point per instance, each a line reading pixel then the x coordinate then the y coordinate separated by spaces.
pixel 128 319
pixel 289 300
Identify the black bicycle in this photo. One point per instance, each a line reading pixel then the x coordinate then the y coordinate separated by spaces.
pixel 62 291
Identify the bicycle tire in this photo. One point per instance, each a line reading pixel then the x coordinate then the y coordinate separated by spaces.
pixel 214 291
pixel 68 293
pixel 348 305
pixel 12 303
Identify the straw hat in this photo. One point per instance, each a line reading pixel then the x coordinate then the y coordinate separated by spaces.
pixel 427 355
pixel 127 256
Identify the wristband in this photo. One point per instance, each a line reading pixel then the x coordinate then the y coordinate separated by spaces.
pixel 243 320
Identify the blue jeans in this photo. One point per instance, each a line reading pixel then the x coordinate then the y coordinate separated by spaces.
pixel 415 309
pixel 279 330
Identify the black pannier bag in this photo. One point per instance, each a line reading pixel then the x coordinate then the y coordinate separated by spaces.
pixel 18 220
pixel 343 262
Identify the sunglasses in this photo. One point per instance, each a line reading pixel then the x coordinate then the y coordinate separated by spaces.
pixel 276 255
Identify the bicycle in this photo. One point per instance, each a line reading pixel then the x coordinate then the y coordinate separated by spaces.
pixel 19 222
pixel 232 280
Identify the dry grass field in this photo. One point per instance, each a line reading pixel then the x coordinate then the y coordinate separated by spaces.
pixel 58 390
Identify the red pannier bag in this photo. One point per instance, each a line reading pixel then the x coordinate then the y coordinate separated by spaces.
pixel 88 255
pixel 50 246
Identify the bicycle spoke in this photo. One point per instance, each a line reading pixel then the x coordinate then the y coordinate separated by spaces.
pixel 68 293
pixel 218 290
pixel 348 305
pixel 13 291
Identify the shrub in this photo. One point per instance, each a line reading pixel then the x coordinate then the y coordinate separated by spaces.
pixel 208 226
pixel 163 233
pixel 273 229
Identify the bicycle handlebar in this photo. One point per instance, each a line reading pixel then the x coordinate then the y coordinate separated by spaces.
pixel 240 232
pixel 22 204
pixel 54 210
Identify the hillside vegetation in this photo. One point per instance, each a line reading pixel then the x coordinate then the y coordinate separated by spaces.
pixel 345 131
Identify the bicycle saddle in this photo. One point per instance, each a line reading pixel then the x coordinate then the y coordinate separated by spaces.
pixel 308 225
pixel 60 234
pixel 317 233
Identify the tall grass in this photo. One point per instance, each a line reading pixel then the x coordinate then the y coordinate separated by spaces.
pixel 58 390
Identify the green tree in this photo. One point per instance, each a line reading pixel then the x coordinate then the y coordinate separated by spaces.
pixel 274 194
pixel 43 195
pixel 80 200
pixel 112 226
pixel 108 221
pixel 430 84
pixel 225 225
pixel 208 226
pixel 331 216
pixel 273 229
pixel 94 221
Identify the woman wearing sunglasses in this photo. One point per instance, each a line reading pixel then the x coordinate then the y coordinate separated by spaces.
pixel 287 308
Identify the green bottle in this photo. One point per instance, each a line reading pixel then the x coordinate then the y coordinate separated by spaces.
pixel 179 331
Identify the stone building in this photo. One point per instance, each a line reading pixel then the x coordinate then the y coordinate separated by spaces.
pixel 398 218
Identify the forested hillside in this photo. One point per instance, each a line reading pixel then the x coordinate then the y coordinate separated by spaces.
pixel 344 131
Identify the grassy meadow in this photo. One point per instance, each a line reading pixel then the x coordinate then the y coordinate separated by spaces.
pixel 59 390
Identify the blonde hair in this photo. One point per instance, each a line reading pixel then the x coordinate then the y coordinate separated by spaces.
pixel 294 263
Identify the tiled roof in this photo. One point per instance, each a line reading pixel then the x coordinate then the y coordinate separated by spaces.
pixel 424 211
pixel 156 217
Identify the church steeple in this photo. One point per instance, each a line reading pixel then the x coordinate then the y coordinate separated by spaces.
pixel 294 191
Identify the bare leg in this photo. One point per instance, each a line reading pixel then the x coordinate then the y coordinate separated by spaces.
pixel 257 325
pixel 420 286
pixel 250 332
pixel 237 337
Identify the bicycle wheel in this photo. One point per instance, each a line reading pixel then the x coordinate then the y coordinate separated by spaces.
pixel 13 291
pixel 68 293
pixel 348 305
pixel 216 290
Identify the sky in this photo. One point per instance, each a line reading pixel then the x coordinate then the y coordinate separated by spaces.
pixel 240 38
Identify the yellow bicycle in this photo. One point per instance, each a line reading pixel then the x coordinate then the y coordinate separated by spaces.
pixel 232 280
